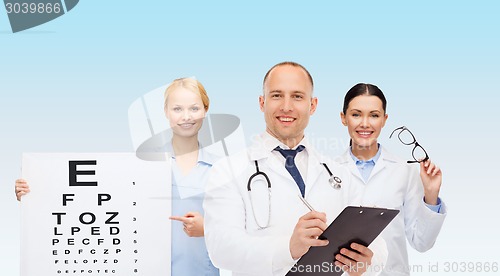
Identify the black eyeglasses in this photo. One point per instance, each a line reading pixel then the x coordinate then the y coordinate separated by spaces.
pixel 407 138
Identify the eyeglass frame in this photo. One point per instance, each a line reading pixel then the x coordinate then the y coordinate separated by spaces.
pixel 403 128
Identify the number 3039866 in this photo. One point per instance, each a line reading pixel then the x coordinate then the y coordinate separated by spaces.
pixel 470 267
pixel 33 8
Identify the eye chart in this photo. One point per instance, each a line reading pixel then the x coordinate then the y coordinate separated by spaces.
pixel 95 214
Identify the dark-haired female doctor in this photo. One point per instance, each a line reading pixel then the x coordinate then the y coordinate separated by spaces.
pixel 390 182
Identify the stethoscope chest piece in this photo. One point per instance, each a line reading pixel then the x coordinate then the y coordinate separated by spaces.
pixel 335 182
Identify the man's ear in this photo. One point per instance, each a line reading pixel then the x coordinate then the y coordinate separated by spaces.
pixel 314 105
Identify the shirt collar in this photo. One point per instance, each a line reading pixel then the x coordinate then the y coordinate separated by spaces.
pixel 271 142
pixel 373 160
pixel 203 156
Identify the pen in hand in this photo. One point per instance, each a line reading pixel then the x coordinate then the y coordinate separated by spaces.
pixel 321 237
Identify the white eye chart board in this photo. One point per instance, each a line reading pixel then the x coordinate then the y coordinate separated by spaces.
pixel 95 214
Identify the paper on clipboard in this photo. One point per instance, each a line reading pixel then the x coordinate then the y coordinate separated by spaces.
pixel 354 224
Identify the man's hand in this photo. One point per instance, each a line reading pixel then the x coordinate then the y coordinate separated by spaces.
pixel 356 261
pixel 309 227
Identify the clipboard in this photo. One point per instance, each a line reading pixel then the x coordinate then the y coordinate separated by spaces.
pixel 354 224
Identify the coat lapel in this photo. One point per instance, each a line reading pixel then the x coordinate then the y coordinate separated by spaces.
pixel 268 162
pixel 314 169
pixel 385 160
pixel 346 160
pixel 379 166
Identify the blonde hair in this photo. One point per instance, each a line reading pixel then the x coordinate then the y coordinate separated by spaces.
pixel 190 84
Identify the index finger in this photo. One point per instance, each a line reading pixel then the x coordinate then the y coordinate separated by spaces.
pixel 179 218
pixel 315 215
pixel 362 249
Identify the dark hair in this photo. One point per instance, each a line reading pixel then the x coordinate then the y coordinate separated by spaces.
pixel 363 89
pixel 290 63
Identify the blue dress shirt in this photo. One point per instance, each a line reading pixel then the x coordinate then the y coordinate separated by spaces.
pixel 365 167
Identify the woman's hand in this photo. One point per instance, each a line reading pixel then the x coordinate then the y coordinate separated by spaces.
pixel 431 178
pixel 192 222
pixel 21 188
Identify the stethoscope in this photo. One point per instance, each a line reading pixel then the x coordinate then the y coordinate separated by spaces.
pixel 334 181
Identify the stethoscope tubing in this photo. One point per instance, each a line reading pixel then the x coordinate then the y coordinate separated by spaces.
pixel 337 185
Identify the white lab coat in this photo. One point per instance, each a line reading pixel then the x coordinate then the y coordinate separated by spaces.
pixel 395 184
pixel 235 242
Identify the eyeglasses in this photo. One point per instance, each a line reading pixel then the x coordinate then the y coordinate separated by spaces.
pixel 406 137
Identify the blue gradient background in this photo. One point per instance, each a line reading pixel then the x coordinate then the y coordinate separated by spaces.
pixel 66 86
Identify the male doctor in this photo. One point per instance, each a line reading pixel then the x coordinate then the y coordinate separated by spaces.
pixel 262 227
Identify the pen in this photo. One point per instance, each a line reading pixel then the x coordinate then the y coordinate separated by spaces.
pixel 320 237
pixel 306 203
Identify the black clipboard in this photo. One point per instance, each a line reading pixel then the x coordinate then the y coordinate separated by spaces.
pixel 354 224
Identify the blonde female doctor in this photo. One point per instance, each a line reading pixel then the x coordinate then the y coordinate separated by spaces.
pixel 387 181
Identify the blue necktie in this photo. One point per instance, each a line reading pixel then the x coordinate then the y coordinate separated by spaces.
pixel 292 168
